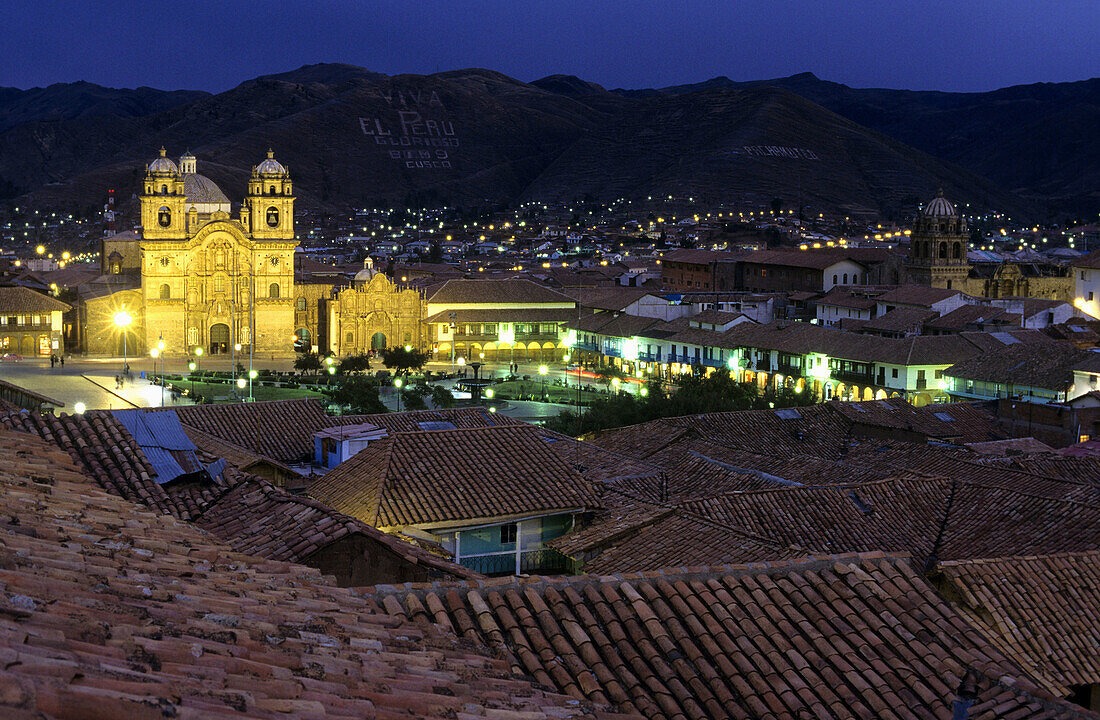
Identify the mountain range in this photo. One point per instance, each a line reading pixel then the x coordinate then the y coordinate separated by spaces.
pixel 352 137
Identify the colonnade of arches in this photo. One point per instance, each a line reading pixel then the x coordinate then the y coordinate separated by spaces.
pixel 520 352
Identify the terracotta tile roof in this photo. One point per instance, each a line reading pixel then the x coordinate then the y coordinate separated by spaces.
pixel 20 300
pixel 593 462
pixel 228 506
pixel 108 610
pixel 1041 612
pixel 35 397
pixel 606 298
pixel 280 429
pixel 1047 366
pixel 827 637
pixel 453 476
pixel 966 316
pixel 785 469
pixel 284 429
pixel 796 258
pixel 925 517
pixel 259 519
pixel 921 295
pixel 495 291
pixel 699 257
pixel 955 422
pixel 518 314
pixel 1011 446
pixel 841 298
pixel 900 320
pixel 107 452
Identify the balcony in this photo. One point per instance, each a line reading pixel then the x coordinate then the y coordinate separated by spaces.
pixel 853 376
pixel 649 357
pixel 590 346
pixel 543 561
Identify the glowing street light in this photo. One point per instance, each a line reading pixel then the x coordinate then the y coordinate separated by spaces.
pixel 41 249
pixel 79 408
pixel 542 371
pixel 241 382
pixel 397 384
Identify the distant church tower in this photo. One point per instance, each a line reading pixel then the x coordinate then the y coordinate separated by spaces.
pixel 938 247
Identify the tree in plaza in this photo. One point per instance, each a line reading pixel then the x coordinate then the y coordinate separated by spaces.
pixel 718 392
pixel 359 393
pixel 354 363
pixel 308 362
pixel 442 397
pixel 608 373
pixel 403 361
pixel 413 396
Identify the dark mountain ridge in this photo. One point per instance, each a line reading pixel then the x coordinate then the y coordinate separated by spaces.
pixel 1041 141
pixel 353 137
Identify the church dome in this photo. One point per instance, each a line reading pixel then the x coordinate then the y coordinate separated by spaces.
pixel 201 189
pixel 163 164
pixel 271 166
pixel 368 271
pixel 940 207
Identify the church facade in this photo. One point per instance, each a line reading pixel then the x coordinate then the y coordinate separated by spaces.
pixel 195 277
pixel 938 257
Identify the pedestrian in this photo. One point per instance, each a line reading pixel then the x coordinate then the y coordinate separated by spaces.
pixel 118 382
pixel 53 360
pixel 62 359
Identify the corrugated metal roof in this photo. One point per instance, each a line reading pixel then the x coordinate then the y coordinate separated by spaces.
pixel 163 441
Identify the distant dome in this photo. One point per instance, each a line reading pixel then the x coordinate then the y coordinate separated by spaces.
pixel 940 207
pixel 271 166
pixel 368 271
pixel 163 164
pixel 201 189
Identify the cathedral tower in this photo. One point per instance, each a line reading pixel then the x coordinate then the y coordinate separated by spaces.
pixel 163 201
pixel 270 201
pixel 938 247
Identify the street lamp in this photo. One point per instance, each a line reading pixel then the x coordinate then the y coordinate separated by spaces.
pixel 252 375
pixel 79 408
pixel 397 384
pixel 191 375
pixel 122 321
pixel 542 371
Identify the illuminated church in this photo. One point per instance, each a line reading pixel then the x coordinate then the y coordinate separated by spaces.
pixel 192 275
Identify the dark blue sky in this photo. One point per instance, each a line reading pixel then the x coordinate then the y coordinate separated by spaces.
pixel 965 45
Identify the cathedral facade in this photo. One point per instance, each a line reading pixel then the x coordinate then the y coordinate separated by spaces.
pixel 193 276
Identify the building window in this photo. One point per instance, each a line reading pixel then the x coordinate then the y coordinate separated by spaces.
pixel 165 292
pixel 845 278
pixel 164 217
pixel 273 216
pixel 273 290
pixel 350 338
pixel 219 283
pixel 301 303
pixel 1090 295
pixel 834 279
pixel 894 373
pixel 508 534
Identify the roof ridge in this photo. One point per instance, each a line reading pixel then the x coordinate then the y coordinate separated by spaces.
pixel 1018 558
pixel 684 572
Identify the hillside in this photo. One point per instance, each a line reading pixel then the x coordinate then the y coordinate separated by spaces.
pixel 353 137
pixel 1040 141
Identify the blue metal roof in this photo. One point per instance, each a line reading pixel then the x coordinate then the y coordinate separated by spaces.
pixel 161 438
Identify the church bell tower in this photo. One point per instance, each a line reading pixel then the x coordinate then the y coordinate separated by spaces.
pixel 270 201
pixel 163 201
pixel 938 247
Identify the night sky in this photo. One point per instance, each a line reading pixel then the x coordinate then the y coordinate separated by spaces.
pixel 967 45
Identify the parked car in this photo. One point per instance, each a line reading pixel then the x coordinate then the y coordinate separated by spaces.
pixel 10 357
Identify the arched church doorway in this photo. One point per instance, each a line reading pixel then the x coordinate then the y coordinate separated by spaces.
pixel 378 341
pixel 219 339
